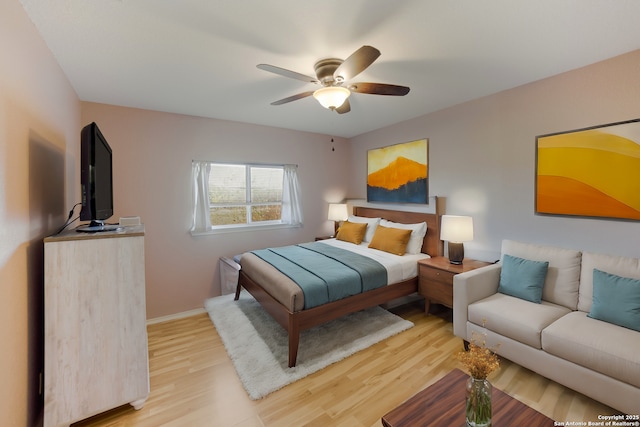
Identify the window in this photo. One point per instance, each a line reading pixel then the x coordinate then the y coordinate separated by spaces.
pixel 245 194
pixel 236 196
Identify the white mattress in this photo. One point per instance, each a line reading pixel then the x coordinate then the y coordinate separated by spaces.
pixel 398 268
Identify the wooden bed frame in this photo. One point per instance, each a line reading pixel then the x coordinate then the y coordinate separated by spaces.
pixel 298 321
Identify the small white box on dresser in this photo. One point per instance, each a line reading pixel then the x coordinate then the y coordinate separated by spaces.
pixel 128 221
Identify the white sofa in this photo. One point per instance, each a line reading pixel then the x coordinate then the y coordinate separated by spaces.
pixel 557 338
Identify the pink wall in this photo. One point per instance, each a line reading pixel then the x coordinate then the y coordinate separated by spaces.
pixel 152 168
pixel 39 134
pixel 482 156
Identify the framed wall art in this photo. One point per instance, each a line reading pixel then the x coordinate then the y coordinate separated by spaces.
pixel 399 173
pixel 591 172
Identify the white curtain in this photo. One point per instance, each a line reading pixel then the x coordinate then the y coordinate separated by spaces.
pixel 291 200
pixel 201 219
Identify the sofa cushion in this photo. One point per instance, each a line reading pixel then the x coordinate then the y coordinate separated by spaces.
pixel 616 300
pixel 600 346
pixel 522 278
pixel 514 317
pixel 563 276
pixel 618 265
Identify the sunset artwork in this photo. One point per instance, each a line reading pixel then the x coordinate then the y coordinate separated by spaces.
pixel 593 172
pixel 398 173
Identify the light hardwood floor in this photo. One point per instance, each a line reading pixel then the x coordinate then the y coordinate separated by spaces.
pixel 193 382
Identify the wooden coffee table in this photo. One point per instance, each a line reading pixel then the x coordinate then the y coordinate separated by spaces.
pixel 443 404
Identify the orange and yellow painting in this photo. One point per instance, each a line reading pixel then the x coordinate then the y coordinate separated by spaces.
pixel 398 173
pixel 593 172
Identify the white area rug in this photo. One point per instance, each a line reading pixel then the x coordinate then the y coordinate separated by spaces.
pixel 258 346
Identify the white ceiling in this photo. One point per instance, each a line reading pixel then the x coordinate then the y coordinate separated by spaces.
pixel 199 57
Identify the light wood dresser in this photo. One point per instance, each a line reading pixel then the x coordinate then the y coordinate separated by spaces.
pixel 96 354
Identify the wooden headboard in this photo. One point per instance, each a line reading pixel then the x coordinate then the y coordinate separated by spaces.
pixel 432 244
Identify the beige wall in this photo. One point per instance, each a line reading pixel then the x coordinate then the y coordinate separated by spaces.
pixel 39 133
pixel 482 156
pixel 152 168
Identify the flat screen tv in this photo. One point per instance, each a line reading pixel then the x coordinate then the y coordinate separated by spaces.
pixel 96 180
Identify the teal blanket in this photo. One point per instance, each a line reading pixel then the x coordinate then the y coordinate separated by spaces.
pixel 325 273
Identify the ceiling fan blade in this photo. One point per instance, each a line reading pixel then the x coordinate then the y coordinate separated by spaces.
pixel 379 89
pixel 293 98
pixel 344 108
pixel 287 73
pixel 357 62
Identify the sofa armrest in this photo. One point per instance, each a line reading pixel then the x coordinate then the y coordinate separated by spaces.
pixel 470 287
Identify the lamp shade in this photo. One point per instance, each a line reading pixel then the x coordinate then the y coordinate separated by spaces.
pixel 331 97
pixel 455 228
pixel 338 212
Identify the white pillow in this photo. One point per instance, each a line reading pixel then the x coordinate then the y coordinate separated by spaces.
pixel 372 223
pixel 417 234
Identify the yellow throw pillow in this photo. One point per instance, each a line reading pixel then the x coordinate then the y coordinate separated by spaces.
pixel 352 232
pixel 392 240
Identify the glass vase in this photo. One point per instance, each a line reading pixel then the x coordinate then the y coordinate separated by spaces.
pixel 478 408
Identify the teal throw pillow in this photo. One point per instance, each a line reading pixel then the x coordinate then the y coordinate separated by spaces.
pixel 523 278
pixel 616 299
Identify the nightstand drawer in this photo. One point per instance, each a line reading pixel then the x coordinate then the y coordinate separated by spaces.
pixel 434 275
pixel 435 279
pixel 436 285
pixel 436 290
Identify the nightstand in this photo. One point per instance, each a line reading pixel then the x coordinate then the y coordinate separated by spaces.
pixel 435 282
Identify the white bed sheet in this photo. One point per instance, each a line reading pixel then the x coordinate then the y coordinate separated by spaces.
pixel 398 268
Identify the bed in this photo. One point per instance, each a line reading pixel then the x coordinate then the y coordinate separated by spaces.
pixel 273 290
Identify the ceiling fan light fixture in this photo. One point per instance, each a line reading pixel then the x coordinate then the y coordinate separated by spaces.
pixel 331 97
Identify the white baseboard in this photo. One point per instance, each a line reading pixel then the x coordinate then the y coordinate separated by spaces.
pixel 176 316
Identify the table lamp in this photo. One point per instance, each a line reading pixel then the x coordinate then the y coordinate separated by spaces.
pixel 456 229
pixel 337 212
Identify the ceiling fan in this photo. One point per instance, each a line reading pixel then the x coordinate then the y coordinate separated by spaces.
pixel 334 75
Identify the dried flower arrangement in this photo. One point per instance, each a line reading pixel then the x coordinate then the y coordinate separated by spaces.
pixel 479 360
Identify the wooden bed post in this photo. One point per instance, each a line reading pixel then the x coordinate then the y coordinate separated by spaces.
pixel 294 340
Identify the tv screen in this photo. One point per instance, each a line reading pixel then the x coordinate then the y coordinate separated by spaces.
pixel 96 179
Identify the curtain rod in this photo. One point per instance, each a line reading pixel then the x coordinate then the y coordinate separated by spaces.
pixel 245 163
